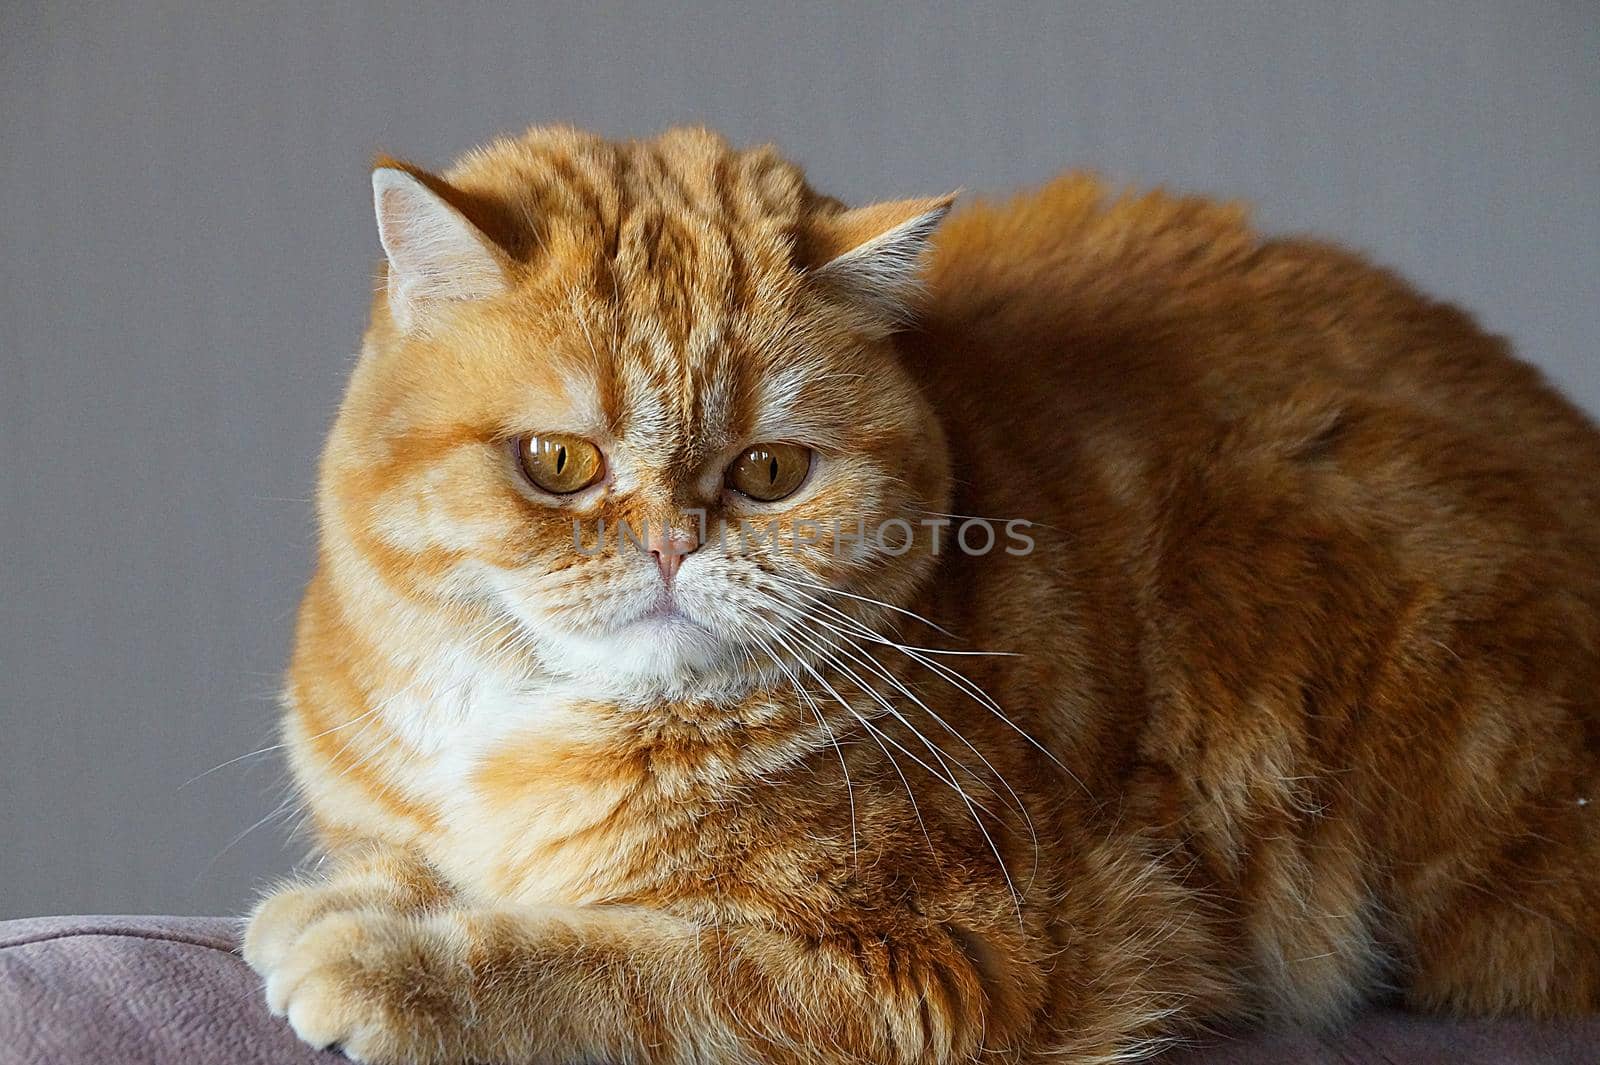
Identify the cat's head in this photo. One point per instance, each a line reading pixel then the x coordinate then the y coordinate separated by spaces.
pixel 676 339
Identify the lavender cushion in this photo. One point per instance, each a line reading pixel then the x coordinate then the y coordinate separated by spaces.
pixel 158 990
pixel 136 991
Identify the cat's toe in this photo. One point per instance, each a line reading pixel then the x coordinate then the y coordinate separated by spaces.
pixel 360 981
pixel 278 921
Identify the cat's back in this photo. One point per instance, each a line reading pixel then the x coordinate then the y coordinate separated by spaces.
pixel 1307 538
pixel 1255 456
pixel 1072 324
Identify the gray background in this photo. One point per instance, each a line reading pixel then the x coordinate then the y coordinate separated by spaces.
pixel 186 252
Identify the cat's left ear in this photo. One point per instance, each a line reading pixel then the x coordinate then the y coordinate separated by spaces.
pixel 872 256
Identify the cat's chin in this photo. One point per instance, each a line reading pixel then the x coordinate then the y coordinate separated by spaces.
pixel 664 654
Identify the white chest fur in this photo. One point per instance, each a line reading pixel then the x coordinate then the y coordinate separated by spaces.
pixel 531 795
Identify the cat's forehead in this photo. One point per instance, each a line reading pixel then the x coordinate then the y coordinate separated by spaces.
pixel 669 266
pixel 682 382
pixel 685 195
pixel 683 235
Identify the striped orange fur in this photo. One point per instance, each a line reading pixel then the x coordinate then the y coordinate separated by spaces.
pixel 1291 705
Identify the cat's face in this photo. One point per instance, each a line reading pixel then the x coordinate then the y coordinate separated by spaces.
pixel 647 442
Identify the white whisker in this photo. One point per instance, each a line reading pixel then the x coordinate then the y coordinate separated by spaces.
pixel 864 599
pixel 855 841
pixel 954 677
pixel 948 775
pixel 877 735
pixel 866 659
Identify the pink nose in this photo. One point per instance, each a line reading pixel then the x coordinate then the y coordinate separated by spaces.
pixel 670 547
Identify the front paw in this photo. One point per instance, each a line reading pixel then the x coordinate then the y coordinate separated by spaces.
pixel 281 917
pixel 377 985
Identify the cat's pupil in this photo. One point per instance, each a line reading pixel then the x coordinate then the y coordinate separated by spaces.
pixel 561 459
pixel 772 471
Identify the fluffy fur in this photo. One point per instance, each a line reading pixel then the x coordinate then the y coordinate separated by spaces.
pixel 1300 708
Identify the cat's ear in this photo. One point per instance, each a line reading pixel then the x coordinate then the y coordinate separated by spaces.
pixel 435 253
pixel 872 256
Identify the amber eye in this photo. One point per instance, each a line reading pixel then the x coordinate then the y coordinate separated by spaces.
pixel 769 472
pixel 559 464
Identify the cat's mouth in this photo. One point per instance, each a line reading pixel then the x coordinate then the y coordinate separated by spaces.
pixel 662 638
pixel 667 611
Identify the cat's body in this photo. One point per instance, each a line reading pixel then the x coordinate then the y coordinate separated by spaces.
pixel 1302 706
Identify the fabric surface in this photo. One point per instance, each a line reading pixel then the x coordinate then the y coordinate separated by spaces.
pixel 136 991
pixel 158 990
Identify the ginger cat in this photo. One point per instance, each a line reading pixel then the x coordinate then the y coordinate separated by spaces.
pixel 1035 634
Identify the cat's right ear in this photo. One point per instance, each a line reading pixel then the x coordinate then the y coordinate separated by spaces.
pixel 873 255
pixel 436 255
